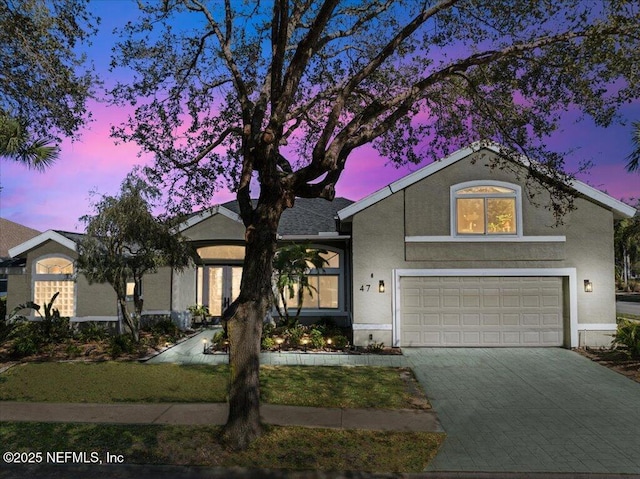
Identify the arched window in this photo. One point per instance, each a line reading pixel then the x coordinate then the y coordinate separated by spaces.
pixel 486 208
pixel 54 274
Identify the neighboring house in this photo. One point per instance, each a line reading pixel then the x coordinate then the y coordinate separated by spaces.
pixel 453 254
pixel 11 234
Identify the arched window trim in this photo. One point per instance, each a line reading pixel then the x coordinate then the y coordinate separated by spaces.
pixel 35 277
pixel 454 195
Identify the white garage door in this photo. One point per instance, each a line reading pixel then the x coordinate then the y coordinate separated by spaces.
pixel 481 311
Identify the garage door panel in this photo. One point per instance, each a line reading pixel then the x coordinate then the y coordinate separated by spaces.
pixel 482 311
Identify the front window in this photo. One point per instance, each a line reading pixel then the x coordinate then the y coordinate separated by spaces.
pixel 324 282
pixel 486 209
pixel 54 275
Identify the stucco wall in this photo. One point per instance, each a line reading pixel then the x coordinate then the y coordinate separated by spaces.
pixel 156 290
pixel 379 246
pixel 217 227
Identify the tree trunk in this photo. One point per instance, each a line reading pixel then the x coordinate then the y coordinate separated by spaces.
pixel 244 320
pixel 129 321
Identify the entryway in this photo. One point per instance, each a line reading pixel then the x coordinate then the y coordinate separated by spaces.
pixel 218 286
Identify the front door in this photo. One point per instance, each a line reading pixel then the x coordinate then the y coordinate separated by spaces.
pixel 221 285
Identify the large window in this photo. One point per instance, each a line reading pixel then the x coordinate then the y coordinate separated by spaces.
pixel 491 208
pixel 54 275
pixel 325 283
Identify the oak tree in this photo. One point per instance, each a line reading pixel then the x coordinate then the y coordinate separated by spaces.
pixel 271 98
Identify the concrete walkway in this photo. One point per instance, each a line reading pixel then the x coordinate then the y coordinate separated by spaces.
pixel 191 352
pixel 203 414
pixel 524 410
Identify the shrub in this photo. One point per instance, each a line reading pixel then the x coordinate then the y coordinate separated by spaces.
pixel 27 339
pixel 267 343
pixel 121 344
pixel 92 332
pixel 628 336
pixel 316 338
pixel 375 348
pixel 340 341
pixel 219 339
pixel 73 350
pixel 294 335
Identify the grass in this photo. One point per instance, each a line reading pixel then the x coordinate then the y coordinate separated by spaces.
pixel 278 448
pixel 108 382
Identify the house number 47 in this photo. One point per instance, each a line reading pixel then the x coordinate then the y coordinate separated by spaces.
pixel 365 287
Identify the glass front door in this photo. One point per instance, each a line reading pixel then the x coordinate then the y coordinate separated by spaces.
pixel 220 286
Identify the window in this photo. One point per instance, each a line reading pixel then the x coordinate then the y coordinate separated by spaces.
pixel 54 275
pixel 488 208
pixel 325 284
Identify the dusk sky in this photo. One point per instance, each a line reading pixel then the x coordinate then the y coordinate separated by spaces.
pixel 56 198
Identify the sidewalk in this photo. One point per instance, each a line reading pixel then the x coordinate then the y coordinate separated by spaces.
pixel 216 413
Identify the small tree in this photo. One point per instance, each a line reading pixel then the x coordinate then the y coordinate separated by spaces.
pixel 290 268
pixel 125 241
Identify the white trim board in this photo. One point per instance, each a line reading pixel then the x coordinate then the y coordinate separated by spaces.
pixel 372 327
pixel 569 273
pixel 49 235
pixel 485 239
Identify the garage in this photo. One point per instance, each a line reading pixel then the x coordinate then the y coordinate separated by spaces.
pixel 480 311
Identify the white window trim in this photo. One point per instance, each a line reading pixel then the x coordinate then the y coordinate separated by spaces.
pixel 54 277
pixel 485 238
pixel 453 209
pixel 570 273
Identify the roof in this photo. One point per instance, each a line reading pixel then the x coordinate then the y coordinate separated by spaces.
pixel 619 208
pixel 13 234
pixel 308 217
pixel 64 238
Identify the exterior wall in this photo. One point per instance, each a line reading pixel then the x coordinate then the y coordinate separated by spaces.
pixel 379 247
pixel 183 293
pixel 95 299
pixel 156 290
pixel 18 290
pixel 217 227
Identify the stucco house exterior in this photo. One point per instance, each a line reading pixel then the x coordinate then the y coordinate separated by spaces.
pixel 452 255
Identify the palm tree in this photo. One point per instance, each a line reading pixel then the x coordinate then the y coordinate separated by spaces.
pixel 16 144
pixel 634 157
pixel 291 265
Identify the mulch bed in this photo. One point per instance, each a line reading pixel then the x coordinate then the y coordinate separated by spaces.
pixel 616 360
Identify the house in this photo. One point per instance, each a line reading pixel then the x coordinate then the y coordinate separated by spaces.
pixel 454 254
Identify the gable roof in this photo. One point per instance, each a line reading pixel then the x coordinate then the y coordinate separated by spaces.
pixel 308 217
pixel 619 208
pixel 69 240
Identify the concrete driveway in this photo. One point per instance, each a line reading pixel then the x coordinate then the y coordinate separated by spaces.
pixel 530 410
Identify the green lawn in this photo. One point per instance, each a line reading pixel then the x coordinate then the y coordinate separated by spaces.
pixel 278 448
pixel 352 387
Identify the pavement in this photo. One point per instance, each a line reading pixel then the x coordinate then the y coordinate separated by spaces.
pixel 507 412
pixel 627 307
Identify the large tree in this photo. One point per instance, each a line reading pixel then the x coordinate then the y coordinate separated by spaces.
pixel 124 241
pixel 276 95
pixel 44 84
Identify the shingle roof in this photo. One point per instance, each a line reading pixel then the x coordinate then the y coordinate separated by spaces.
pixel 309 216
pixel 13 234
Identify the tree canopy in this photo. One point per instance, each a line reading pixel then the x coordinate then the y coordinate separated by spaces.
pixel 44 84
pixel 124 241
pixel 312 81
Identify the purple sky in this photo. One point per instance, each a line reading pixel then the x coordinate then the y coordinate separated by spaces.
pixel 56 198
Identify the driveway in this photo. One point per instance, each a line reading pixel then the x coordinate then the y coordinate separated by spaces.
pixel 530 410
